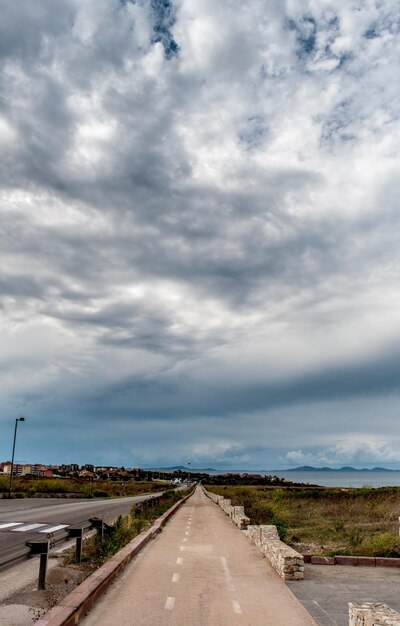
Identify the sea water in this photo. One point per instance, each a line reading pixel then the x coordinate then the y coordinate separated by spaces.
pixel 344 479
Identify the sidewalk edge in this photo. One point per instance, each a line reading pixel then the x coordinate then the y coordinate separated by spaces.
pixel 71 609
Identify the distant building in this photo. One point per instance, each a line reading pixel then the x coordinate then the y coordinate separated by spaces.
pixel 19 469
pixel 71 467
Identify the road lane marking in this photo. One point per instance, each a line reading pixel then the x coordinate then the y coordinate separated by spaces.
pixel 10 524
pixel 175 578
pixel 28 527
pixel 228 576
pixel 169 605
pixel 236 607
pixel 179 561
pixel 182 548
pixel 186 532
pixel 185 539
pixel 53 529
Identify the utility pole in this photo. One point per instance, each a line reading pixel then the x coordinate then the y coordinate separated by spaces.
pixel 17 419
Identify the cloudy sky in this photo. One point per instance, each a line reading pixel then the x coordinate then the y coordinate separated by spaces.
pixel 199 223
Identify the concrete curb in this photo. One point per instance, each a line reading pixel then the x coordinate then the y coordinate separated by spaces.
pixel 355 561
pixel 76 604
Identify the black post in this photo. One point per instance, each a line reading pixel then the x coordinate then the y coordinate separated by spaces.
pixel 17 419
pixel 42 571
pixel 78 547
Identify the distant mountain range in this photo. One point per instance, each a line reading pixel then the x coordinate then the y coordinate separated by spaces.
pixel 302 468
pixel 183 468
pixel 309 468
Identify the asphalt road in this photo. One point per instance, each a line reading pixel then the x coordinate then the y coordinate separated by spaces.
pixel 49 511
pixel 201 570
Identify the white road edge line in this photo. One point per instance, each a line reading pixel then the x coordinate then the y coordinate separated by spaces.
pixel 169 605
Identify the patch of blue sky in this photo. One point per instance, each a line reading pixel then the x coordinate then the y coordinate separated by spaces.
pixel 371 33
pixel 336 128
pixel 306 35
pixel 163 17
pixel 163 14
pixel 252 133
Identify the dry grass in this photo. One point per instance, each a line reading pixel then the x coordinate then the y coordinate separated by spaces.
pixel 29 487
pixel 326 521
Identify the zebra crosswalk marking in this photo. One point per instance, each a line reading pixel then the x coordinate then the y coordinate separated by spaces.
pixel 10 524
pixel 53 529
pixel 23 529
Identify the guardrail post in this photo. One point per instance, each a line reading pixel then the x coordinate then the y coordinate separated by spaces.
pixel 101 527
pixel 41 548
pixel 78 546
pixel 42 571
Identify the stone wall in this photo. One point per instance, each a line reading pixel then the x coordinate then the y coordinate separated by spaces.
pixel 236 513
pixel 288 563
pixel 372 614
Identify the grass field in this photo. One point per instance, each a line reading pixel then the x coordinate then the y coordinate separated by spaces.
pixel 29 487
pixel 325 521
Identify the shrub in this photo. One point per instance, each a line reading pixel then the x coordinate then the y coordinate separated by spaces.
pixel 100 493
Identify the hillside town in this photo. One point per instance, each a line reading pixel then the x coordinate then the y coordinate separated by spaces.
pixel 73 470
pixel 110 472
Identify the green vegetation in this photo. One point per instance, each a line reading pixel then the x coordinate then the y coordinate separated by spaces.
pixel 325 521
pixel 97 552
pixel 27 486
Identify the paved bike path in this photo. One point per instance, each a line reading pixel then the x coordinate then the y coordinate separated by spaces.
pixel 199 571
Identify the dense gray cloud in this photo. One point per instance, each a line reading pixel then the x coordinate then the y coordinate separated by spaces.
pixel 199 230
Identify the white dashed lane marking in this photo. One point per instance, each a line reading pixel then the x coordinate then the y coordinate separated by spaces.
pixel 170 603
pixel 179 561
pixel 228 577
pixel 236 607
pixel 175 578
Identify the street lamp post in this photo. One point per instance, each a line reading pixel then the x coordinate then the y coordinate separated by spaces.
pixel 189 472
pixel 17 419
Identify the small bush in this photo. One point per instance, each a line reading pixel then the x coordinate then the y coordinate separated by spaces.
pixel 100 493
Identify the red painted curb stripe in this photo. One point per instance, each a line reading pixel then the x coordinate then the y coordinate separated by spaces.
pixel 355 561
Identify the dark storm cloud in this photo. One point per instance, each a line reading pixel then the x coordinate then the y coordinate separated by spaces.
pixel 198 215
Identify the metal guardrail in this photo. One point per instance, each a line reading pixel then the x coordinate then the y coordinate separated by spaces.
pixel 41 547
pixel 14 554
